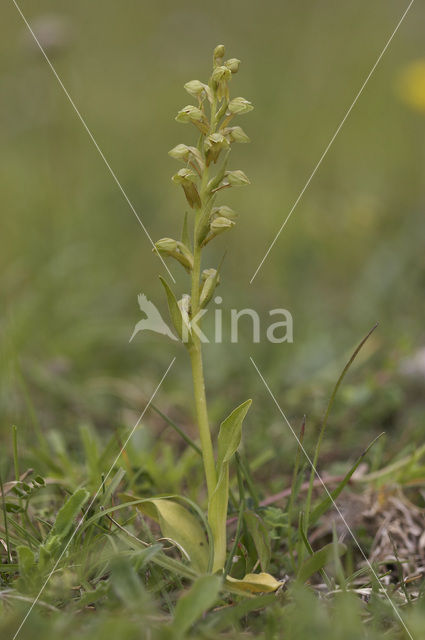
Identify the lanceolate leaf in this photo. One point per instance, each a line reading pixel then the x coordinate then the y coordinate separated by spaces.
pixel 26 560
pixel 217 516
pixel 230 433
pixel 178 524
pixel 260 536
pixel 61 527
pixel 200 597
pixel 68 513
pixel 229 439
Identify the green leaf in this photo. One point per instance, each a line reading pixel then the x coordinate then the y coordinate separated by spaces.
pixel 173 308
pixel 125 582
pixel 28 573
pixel 26 560
pixel 67 514
pixel 319 559
pixel 190 607
pixel 217 516
pixel 89 597
pixel 260 535
pixel 230 434
pixel 229 439
pixel 112 486
pixel 11 507
pixel 61 527
pixel 181 527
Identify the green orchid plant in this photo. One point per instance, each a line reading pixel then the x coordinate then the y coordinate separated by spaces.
pixel 203 178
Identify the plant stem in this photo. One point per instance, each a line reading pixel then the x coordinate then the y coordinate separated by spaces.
pixel 195 353
pixel 195 350
pixel 202 416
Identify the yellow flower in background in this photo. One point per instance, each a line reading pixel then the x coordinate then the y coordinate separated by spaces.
pixel 411 85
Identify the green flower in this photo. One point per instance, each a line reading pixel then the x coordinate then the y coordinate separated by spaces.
pixel 193 114
pixel 236 178
pixel 239 105
pixel 187 179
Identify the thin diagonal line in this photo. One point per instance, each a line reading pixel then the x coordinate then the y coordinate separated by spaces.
pixel 91 136
pixel 93 499
pixel 341 124
pixel 331 498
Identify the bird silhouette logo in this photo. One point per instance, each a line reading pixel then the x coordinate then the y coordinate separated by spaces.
pixel 153 320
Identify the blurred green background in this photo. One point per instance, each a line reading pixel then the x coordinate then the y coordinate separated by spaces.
pixel 73 257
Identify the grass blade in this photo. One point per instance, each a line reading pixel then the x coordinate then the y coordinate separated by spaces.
pixel 324 505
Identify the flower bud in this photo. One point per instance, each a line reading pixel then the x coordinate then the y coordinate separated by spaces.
pixel 219 79
pixel 184 175
pixel 211 279
pixel 195 88
pixel 233 64
pixel 180 152
pixel 166 245
pixel 199 90
pixel 221 74
pixel 239 105
pixel 224 212
pixel 213 145
pixel 185 153
pixel 236 178
pixel 175 249
pixel 218 54
pixel 190 113
pixel 187 178
pixel 235 134
pixel 193 114
pixel 206 273
pixel 217 226
pixel 220 224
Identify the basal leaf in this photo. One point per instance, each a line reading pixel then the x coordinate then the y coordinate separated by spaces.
pixel 254 583
pixel 217 516
pixel 260 535
pixel 229 439
pixel 180 525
